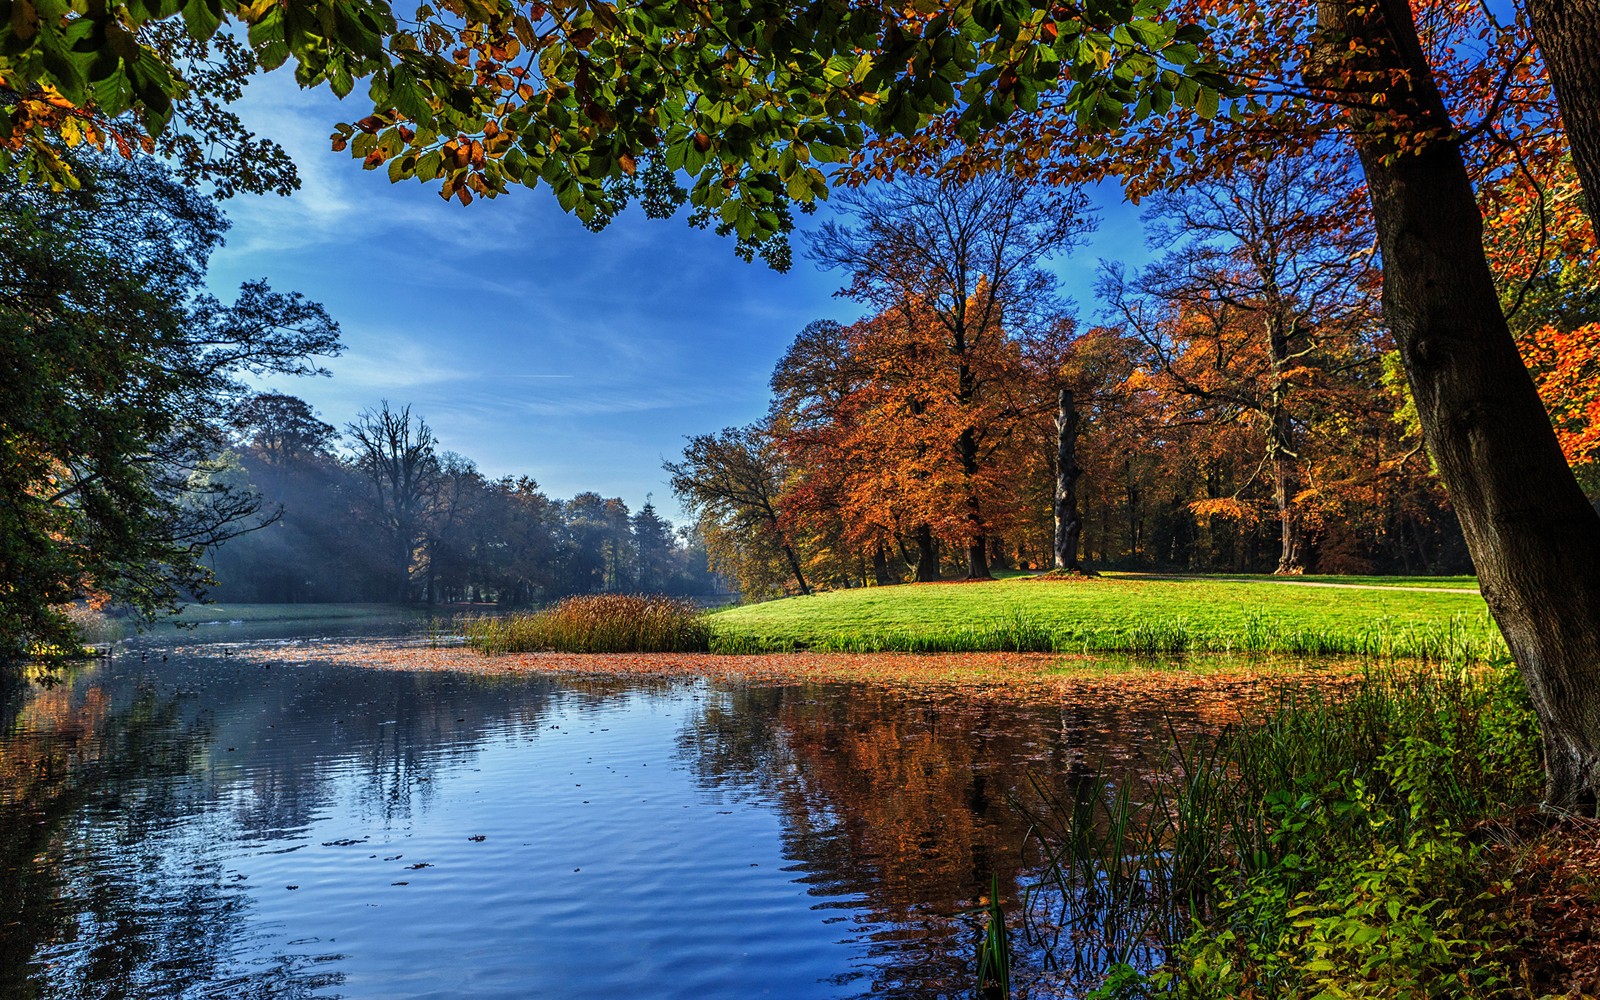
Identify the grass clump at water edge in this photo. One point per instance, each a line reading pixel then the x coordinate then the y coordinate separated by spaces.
pixel 596 623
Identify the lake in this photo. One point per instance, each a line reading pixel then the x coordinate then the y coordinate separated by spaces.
pixel 183 820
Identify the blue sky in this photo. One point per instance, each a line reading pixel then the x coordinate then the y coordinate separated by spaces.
pixel 528 343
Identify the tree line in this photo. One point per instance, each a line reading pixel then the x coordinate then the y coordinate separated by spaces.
pixel 1240 406
pixel 382 513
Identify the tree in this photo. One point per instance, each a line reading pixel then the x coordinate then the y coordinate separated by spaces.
pixel 652 545
pixel 749 99
pixel 119 371
pixel 731 482
pixel 286 452
pixel 1535 539
pixel 395 455
pixel 1568 33
pixel 129 78
pixel 1264 302
pixel 953 257
pixel 1071 373
pixel 282 428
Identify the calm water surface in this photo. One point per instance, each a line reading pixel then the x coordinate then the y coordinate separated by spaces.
pixel 205 826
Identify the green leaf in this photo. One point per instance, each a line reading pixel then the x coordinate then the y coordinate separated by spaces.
pixel 202 18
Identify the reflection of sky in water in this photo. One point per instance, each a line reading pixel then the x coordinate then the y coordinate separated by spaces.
pixel 454 836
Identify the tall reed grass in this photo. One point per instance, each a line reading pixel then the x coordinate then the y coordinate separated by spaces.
pixel 598 623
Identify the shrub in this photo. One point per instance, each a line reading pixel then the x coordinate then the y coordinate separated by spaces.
pixel 598 623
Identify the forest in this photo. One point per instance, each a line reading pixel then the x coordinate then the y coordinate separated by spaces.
pixel 392 517
pixel 1236 405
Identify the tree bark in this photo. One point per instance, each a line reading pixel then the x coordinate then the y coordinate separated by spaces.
pixel 1568 33
pixel 967 450
pixel 1280 446
pixel 880 566
pixel 1069 525
pixel 978 559
pixel 927 555
pixel 794 567
pixel 1534 538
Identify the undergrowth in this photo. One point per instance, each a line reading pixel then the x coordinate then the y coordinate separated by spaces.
pixel 1337 846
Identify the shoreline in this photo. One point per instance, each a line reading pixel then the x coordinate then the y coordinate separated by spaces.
pixel 1035 677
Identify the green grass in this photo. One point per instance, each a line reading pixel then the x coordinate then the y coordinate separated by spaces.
pixel 1113 614
pixel 1320 848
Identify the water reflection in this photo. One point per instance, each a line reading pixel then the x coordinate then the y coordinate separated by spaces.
pixel 210 827
pixel 897 813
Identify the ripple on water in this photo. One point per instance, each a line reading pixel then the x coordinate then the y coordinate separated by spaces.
pixel 319 831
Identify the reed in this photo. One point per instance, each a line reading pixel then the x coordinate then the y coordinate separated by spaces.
pixel 597 623
pixel 994 949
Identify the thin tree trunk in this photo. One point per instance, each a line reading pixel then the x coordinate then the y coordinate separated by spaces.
pixel 1283 490
pixel 1568 33
pixel 977 544
pixel 1068 523
pixel 1534 538
pixel 794 567
pixel 1280 445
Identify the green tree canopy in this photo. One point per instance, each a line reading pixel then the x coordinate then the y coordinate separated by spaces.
pixel 604 103
pixel 120 373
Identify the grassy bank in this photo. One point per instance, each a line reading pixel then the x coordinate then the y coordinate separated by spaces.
pixel 1374 842
pixel 1122 615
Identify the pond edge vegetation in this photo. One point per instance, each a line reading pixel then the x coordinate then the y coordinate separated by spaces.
pixel 1376 840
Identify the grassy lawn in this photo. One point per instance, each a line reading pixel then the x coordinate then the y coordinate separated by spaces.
pixel 1122 614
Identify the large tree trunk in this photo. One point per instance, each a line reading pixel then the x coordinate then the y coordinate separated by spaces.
pixel 978 559
pixel 880 566
pixel 927 555
pixel 1568 33
pixel 1534 539
pixel 1068 523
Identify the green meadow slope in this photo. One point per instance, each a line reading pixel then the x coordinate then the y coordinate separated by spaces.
pixel 1401 617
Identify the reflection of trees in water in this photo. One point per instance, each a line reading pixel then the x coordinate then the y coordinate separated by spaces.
pixel 901 809
pixel 108 818
pixel 299 733
pixel 89 791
